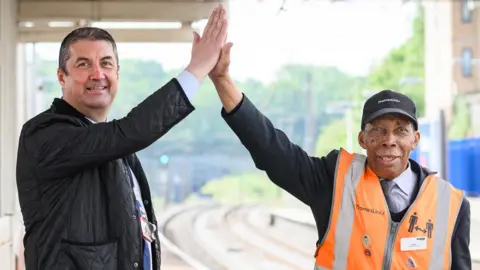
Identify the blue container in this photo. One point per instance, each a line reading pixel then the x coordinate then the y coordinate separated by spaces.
pixel 460 165
pixel 475 176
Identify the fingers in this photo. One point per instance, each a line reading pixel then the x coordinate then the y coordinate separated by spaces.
pixel 222 35
pixel 210 24
pixel 225 54
pixel 226 49
pixel 220 25
pixel 216 23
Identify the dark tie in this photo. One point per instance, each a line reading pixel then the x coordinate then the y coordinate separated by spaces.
pixel 387 186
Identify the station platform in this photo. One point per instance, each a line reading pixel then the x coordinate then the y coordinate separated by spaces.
pixel 303 215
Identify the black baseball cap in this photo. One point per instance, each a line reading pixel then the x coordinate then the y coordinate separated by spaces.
pixel 388 101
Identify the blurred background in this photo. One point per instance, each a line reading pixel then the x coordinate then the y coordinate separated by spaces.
pixel 307 65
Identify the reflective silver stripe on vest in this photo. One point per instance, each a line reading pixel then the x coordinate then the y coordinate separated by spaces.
pixel 347 213
pixel 318 267
pixel 441 226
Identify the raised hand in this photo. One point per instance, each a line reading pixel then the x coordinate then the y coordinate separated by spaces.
pixel 206 49
pixel 220 71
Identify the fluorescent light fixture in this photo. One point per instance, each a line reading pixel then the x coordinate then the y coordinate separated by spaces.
pixel 138 25
pixel 61 24
pixel 200 24
pixel 26 24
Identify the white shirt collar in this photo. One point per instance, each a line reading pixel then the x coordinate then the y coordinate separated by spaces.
pixel 93 122
pixel 90 120
pixel 407 181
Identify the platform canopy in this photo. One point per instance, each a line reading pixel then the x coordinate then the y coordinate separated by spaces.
pixel 126 20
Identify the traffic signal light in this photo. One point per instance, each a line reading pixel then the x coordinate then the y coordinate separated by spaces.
pixel 164 159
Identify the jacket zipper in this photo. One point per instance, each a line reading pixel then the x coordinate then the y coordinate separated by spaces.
pixel 392 233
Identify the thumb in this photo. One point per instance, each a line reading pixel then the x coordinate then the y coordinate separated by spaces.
pixel 196 37
pixel 226 49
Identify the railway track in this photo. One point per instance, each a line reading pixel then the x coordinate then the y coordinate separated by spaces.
pixel 228 238
pixel 178 230
pixel 283 254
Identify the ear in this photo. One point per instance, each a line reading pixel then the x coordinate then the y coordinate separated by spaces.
pixel 361 139
pixel 61 77
pixel 118 72
pixel 416 139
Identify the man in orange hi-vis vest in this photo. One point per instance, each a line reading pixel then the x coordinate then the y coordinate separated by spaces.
pixel 379 211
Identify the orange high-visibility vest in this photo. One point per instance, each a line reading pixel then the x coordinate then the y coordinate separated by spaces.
pixel 362 236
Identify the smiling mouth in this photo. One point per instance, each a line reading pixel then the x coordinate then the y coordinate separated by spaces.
pixel 96 88
pixel 387 158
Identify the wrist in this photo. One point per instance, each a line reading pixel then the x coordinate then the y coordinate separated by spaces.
pixel 197 72
pixel 222 80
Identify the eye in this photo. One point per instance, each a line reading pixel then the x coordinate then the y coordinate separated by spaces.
pixel 82 64
pixel 106 64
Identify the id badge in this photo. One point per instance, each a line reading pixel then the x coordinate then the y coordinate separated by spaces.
pixel 413 243
pixel 148 228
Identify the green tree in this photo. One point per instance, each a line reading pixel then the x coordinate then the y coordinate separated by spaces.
pixel 460 126
pixel 243 188
pixel 403 69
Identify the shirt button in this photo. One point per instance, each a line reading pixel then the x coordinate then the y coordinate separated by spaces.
pixel 145 202
pixel 134 217
pixel 135 264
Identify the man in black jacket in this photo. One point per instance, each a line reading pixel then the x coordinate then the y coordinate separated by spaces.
pixel 84 197
pixel 389 133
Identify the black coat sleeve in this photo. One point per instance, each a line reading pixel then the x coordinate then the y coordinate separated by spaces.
pixel 285 163
pixel 61 146
pixel 461 259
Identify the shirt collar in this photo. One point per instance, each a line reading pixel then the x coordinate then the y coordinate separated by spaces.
pixel 93 122
pixel 407 180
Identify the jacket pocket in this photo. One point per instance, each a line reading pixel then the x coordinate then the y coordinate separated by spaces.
pixel 88 256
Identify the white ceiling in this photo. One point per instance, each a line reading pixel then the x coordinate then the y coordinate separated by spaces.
pixel 36 16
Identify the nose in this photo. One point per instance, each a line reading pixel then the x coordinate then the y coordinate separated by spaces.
pixel 389 140
pixel 97 73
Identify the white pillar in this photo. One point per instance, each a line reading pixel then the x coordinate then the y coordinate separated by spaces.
pixel 438 57
pixel 9 124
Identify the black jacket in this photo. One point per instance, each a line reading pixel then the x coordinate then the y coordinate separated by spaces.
pixel 75 193
pixel 310 179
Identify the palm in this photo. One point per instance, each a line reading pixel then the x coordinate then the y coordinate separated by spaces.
pixel 221 68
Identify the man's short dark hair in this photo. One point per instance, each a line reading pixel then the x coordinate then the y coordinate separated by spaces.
pixel 83 33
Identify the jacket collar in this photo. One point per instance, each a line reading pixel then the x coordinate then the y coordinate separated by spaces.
pixel 60 106
pixel 421 171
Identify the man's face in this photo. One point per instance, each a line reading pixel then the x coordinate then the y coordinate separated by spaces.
pixel 92 76
pixel 389 139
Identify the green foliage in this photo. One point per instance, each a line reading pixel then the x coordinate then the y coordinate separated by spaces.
pixel 460 123
pixel 244 188
pixel 334 136
pixel 403 69
pixel 290 89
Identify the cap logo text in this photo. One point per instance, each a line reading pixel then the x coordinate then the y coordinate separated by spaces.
pixel 388 99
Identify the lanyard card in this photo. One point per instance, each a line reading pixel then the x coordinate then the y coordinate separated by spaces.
pixel 148 228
